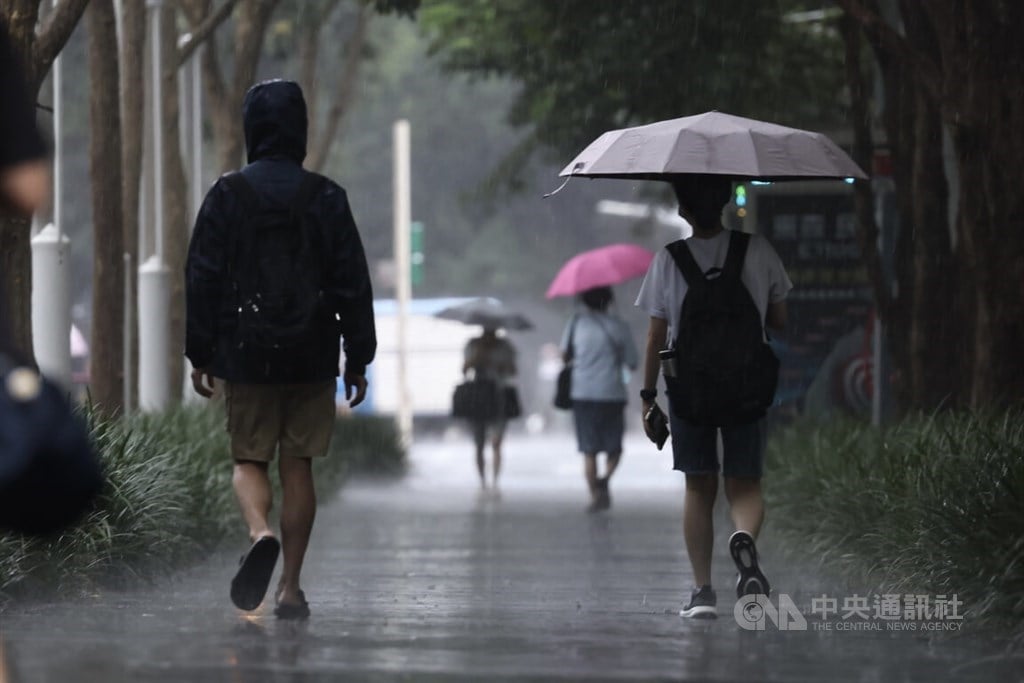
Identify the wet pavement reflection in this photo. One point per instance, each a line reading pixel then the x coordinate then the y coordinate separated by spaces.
pixel 424 578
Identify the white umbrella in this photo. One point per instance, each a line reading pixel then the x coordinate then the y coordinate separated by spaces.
pixel 713 143
pixel 486 312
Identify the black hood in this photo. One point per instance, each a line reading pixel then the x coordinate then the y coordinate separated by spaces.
pixel 274 113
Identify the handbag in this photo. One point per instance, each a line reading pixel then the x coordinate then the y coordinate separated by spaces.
pixel 511 407
pixel 563 384
pixel 49 473
pixel 476 399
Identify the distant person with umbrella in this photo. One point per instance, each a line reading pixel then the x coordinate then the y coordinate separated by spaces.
pixel 492 359
pixel 598 344
pixel 489 365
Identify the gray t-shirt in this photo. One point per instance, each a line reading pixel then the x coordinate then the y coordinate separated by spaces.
pixel 662 292
pixel 602 345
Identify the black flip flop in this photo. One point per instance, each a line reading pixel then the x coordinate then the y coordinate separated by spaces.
pixel 252 579
pixel 744 553
pixel 289 611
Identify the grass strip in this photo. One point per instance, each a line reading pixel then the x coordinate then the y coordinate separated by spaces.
pixel 169 491
pixel 933 505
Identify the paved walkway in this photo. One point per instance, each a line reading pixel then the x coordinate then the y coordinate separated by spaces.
pixel 423 579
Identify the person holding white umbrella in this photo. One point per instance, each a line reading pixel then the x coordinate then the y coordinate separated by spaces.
pixel 710 309
pixel 695 432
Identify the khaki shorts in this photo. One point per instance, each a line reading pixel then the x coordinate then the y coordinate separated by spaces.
pixel 298 418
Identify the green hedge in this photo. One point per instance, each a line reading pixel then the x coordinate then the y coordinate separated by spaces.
pixel 934 505
pixel 168 499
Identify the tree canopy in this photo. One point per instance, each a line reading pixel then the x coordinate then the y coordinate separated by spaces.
pixel 586 66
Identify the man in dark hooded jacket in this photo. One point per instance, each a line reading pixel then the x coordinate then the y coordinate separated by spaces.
pixel 279 379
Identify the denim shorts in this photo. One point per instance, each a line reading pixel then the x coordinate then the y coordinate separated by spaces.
pixel 695 448
pixel 599 426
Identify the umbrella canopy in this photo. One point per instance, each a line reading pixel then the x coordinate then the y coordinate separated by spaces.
pixel 713 143
pixel 486 312
pixel 600 267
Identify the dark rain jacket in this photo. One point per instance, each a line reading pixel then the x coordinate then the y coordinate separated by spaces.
pixel 275 137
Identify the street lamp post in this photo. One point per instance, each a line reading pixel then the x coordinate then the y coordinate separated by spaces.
pixel 403 285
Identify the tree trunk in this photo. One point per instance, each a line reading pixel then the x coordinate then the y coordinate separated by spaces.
pixel 107 348
pixel 225 95
pixel 175 217
pixel 982 62
pixel 16 281
pixel 132 97
pixel 890 302
pixel 936 333
pixel 344 94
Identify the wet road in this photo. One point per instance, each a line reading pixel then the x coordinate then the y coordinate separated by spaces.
pixel 424 579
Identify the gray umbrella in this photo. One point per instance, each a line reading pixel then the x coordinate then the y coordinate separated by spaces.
pixel 713 143
pixel 486 312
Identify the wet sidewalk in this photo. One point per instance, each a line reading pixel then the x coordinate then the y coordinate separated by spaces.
pixel 425 579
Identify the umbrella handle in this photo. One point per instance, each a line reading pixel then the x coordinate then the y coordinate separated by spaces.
pixel 576 167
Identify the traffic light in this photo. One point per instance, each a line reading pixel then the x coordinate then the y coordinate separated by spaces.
pixel 416 260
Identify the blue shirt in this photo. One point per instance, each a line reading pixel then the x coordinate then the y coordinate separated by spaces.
pixel 602 345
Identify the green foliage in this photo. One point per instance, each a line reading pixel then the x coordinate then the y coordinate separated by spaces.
pixel 168 499
pixel 932 505
pixel 586 67
pixel 365 445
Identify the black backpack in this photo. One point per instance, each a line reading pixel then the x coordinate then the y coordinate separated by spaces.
pixel 726 373
pixel 275 271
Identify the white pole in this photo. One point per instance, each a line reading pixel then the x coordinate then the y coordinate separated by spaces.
pixel 154 276
pixel 51 305
pixel 58 147
pixel 126 334
pixel 154 335
pixel 156 8
pixel 403 275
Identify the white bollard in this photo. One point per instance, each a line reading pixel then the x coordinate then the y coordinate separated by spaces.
pixel 51 304
pixel 154 334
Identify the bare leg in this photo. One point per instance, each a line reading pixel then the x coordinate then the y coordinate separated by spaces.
pixel 252 488
pixel 590 471
pixel 479 438
pixel 611 464
pixel 746 504
pixel 298 509
pixel 496 464
pixel 698 528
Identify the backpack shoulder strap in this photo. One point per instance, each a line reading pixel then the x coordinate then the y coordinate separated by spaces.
pixel 572 333
pixel 733 268
pixel 686 264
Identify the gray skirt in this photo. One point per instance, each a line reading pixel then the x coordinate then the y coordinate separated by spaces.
pixel 599 425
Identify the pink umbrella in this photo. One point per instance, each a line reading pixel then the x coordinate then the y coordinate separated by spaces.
pixel 599 268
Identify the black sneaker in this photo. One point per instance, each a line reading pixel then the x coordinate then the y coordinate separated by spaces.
pixel 744 553
pixel 702 604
